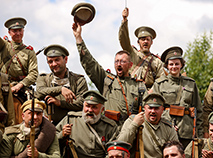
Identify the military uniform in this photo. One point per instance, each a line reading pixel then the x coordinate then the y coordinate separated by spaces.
pixel 163 133
pixel 85 141
pixel 17 59
pixel 49 84
pixel 207 106
pixel 15 141
pixel 108 85
pixel 150 69
pixel 6 101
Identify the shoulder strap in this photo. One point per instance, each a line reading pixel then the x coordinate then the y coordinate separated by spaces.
pixel 96 134
pixel 139 64
pixel 107 83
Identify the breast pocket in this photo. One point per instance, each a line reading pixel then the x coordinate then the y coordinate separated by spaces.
pixel 187 95
pixel 170 95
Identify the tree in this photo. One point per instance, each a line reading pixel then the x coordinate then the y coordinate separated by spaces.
pixel 199 61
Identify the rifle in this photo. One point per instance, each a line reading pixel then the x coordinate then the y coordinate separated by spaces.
pixel 32 126
pixel 69 145
pixel 50 110
pixel 40 50
pixel 194 137
pixel 138 154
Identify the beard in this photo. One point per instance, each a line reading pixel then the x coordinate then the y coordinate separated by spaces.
pixel 90 120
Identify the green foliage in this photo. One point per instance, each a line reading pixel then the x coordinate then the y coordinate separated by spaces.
pixel 199 61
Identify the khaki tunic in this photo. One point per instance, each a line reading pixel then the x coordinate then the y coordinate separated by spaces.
pixel 14 142
pixel 163 132
pixel 185 89
pixel 78 86
pixel 156 69
pixel 111 88
pixel 27 58
pixel 207 107
pixel 6 99
pixel 85 141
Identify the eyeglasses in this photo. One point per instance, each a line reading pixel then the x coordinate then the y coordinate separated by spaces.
pixel 121 62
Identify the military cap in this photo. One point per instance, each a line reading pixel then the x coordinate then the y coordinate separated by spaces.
pixel 210 118
pixel 172 53
pixel 83 13
pixel 118 145
pixel 15 23
pixel 145 31
pixel 154 100
pixel 93 97
pixel 55 50
pixel 39 106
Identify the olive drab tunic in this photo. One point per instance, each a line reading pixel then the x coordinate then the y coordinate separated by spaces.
pixel 163 132
pixel 207 106
pixel 85 142
pixel 181 91
pixel 78 86
pixel 6 100
pixel 151 68
pixel 18 61
pixel 108 85
pixel 14 142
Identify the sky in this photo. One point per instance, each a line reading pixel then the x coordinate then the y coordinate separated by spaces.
pixel 176 22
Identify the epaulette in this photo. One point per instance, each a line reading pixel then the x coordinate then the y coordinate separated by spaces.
pixel 75 114
pixel 107 120
pixel 135 48
pixel 43 74
pixel 6 38
pixel 188 78
pixel 110 75
pixel 167 122
pixel 12 129
pixel 161 79
pixel 156 56
pixel 29 47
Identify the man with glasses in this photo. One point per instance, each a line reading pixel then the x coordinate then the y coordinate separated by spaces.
pixel 120 90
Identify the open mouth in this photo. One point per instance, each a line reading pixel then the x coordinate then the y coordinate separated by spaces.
pixel 90 114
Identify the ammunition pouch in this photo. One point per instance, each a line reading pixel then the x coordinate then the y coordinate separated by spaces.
pixel 180 111
pixel 112 114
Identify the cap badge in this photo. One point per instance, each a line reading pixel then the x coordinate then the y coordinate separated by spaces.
pixel 175 53
pixel 154 100
pixel 17 23
pixel 53 51
pixel 115 147
pixel 36 105
pixel 91 98
pixel 142 32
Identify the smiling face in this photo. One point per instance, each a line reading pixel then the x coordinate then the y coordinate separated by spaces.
pixel 27 115
pixel 16 34
pixel 57 64
pixel 153 114
pixel 174 66
pixel 145 44
pixel 122 65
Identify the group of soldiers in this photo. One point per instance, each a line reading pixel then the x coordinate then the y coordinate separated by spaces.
pixel 147 109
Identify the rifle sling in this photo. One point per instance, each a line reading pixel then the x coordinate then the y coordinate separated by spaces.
pixel 127 108
pixel 141 147
pixel 72 149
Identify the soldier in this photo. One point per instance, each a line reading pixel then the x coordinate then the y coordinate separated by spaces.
pixel 181 94
pixel 17 59
pixel 205 145
pixel 61 88
pixel 7 113
pixel 89 130
pixel 173 149
pixel 207 108
pixel 118 149
pixel 146 66
pixel 16 138
pixel 155 130
pixel 120 89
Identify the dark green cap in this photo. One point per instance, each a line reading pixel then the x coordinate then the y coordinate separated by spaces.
pixel 15 23
pixel 210 118
pixel 118 145
pixel 145 31
pixel 83 13
pixel 93 97
pixel 172 53
pixel 55 50
pixel 154 100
